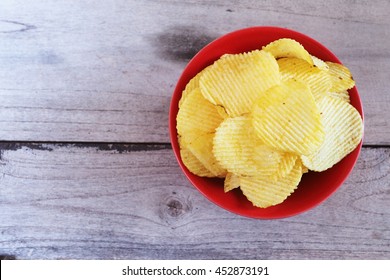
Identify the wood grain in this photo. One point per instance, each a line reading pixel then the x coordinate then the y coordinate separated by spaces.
pixel 85 71
pixel 132 202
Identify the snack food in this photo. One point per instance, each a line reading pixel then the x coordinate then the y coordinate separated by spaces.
pixel 318 80
pixel 236 81
pixel 343 130
pixel 287 119
pixel 266 127
pixel 263 192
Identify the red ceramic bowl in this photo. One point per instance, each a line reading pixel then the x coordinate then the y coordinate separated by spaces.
pixel 314 187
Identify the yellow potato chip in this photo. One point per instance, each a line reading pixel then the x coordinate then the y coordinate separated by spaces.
pixel 288 48
pixel 285 166
pixel 239 151
pixel 287 118
pixel 193 164
pixel 316 79
pixel 265 157
pixel 197 115
pixel 221 111
pixel 343 132
pixel 233 145
pixel 231 182
pixel 344 95
pixel 320 63
pixel 202 149
pixel 341 77
pixel 235 81
pixel 263 192
pixel 191 85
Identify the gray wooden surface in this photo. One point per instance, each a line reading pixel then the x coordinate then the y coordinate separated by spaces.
pixel 86 169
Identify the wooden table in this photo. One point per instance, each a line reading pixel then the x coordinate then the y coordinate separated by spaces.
pixel 86 167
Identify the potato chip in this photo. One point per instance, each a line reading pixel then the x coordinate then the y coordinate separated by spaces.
pixel 232 181
pixel 320 63
pixel 264 193
pixel 288 48
pixel 287 118
pixel 233 145
pixel 193 164
pixel 237 149
pixel 191 85
pixel 285 166
pixel 235 81
pixel 341 77
pixel 317 80
pixel 221 111
pixel 343 132
pixel 344 95
pixel 197 115
pixel 202 149
pixel 304 169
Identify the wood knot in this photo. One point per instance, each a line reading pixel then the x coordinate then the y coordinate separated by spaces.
pixel 174 207
pixel 181 43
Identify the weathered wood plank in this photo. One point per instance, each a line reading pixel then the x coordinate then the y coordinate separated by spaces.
pixel 93 116
pixel 133 202
pixel 86 71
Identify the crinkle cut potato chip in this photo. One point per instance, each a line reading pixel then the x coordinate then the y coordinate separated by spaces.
pixel 236 81
pixel 343 127
pixel 197 115
pixel 232 181
pixel 288 48
pixel 344 95
pixel 317 62
pixel 191 85
pixel 239 151
pixel 233 145
pixel 287 118
pixel 197 120
pixel 267 160
pixel 304 169
pixel 285 166
pixel 202 148
pixel 318 80
pixel 341 77
pixel 264 193
pixel 193 164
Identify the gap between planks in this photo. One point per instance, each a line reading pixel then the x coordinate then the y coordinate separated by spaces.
pixel 108 146
pixel 102 146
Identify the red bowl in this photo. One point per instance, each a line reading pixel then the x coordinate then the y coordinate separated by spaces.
pixel 314 187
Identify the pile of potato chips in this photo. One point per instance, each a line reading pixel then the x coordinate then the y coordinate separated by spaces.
pixel 263 118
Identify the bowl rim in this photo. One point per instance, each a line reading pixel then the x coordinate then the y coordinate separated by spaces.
pixel 182 81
